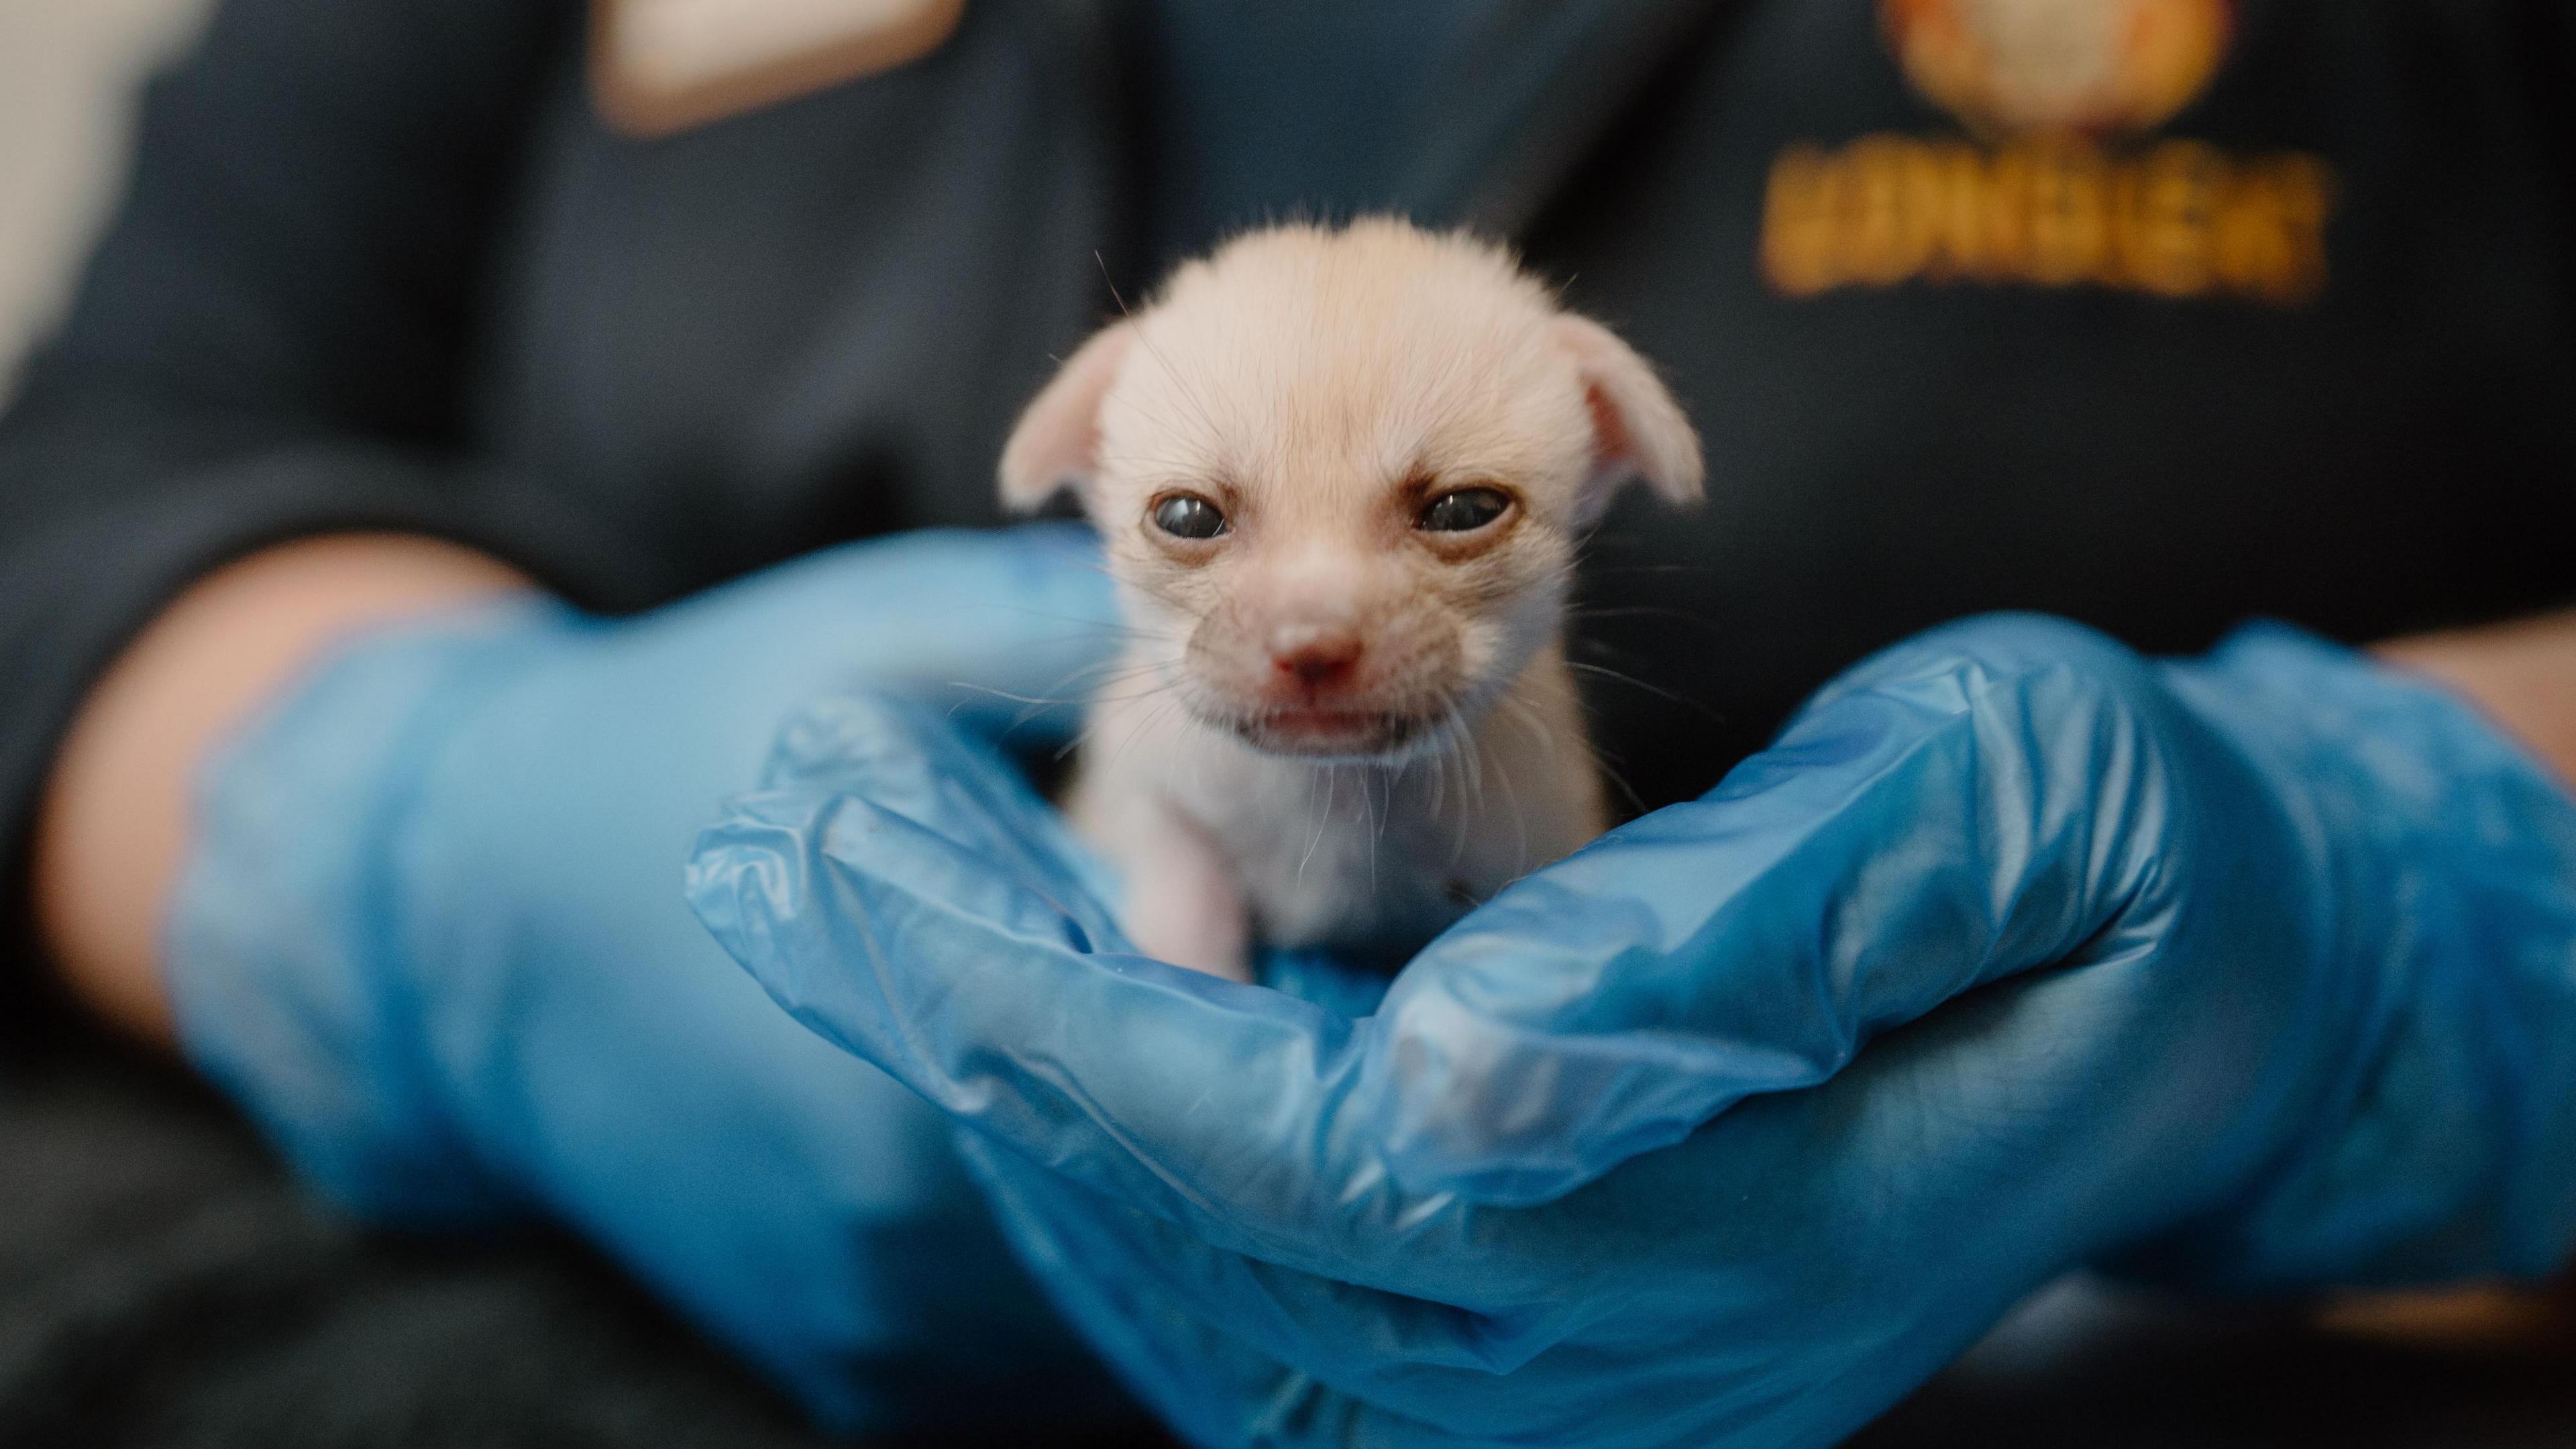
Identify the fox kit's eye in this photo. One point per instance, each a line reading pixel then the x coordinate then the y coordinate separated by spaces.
pixel 1187 515
pixel 1463 510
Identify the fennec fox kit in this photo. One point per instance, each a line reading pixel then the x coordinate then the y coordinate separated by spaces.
pixel 1340 476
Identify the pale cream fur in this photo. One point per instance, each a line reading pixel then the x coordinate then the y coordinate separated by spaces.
pixel 1320 388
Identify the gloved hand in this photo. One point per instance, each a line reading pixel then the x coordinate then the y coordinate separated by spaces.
pixel 431 934
pixel 2016 952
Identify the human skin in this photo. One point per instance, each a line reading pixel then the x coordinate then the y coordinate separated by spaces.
pixel 114 824
pixel 115 821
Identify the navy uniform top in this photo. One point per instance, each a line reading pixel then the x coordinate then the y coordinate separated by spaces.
pixel 2157 313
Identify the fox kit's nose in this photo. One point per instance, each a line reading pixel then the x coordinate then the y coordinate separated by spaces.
pixel 1315 656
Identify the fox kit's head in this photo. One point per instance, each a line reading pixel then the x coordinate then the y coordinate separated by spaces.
pixel 1340 476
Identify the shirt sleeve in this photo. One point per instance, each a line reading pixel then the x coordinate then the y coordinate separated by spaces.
pixel 272 341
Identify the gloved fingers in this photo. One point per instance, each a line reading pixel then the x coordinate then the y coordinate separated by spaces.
pixel 1318 979
pixel 1348 1334
pixel 1965 807
pixel 1774 1280
pixel 1232 1350
pixel 914 761
pixel 1783 1273
pixel 906 758
pixel 951 947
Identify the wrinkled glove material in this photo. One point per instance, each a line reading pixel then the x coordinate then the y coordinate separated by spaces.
pixel 2016 952
pixel 431 935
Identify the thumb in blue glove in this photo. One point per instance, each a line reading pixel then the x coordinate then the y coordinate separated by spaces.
pixel 2017 952
pixel 431 935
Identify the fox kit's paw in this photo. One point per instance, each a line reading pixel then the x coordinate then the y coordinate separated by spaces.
pixel 1182 908
pixel 1182 905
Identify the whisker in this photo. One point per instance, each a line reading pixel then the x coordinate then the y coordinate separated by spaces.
pixel 1659 612
pixel 1605 672
pixel 1525 713
pixel 1332 792
pixel 1610 773
pixel 1520 818
pixel 1458 748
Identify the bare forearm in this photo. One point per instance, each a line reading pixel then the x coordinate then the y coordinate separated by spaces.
pixel 2523 675
pixel 115 817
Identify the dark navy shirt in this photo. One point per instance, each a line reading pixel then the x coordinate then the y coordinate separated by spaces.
pixel 1265 111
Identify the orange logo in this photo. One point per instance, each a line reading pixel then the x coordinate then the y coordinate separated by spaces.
pixel 2053 187
pixel 2093 66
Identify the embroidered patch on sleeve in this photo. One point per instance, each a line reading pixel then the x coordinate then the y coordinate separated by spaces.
pixel 660 66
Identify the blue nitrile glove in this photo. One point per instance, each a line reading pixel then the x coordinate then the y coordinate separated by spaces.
pixel 432 935
pixel 2016 952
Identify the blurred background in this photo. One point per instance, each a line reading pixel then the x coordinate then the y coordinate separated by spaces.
pixel 67 74
pixel 2078 1367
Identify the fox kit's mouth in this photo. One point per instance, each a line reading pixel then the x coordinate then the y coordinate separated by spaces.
pixel 1311 732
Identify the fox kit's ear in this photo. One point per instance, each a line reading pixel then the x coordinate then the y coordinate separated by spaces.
pixel 1638 431
pixel 1057 440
